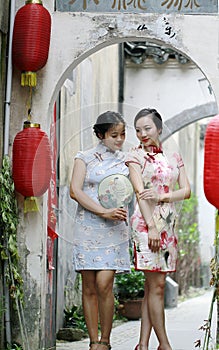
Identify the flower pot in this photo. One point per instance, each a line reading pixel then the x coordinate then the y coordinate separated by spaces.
pixel 131 309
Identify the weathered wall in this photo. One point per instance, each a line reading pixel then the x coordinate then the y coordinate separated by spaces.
pixel 89 90
pixel 4 12
pixel 69 28
pixel 74 37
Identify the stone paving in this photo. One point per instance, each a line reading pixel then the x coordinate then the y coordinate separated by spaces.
pixel 183 323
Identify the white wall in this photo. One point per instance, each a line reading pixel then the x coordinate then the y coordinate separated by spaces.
pixel 171 87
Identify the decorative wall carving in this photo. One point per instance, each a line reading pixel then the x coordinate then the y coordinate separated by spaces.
pixel 147 6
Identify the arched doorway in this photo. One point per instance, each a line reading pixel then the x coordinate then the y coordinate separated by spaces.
pixel 84 115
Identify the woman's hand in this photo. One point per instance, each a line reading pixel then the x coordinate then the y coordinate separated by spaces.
pixel 149 193
pixel 153 239
pixel 114 214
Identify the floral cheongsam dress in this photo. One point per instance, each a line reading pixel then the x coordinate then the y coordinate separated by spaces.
pixel 100 244
pixel 161 172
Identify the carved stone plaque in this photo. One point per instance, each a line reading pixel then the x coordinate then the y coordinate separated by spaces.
pixel 139 6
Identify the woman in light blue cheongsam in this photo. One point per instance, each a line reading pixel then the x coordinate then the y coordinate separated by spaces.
pixel 101 237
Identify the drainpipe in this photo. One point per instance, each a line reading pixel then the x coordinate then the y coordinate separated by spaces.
pixel 121 77
pixel 6 147
pixel 9 79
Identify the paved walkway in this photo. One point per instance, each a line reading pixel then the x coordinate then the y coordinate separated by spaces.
pixel 183 323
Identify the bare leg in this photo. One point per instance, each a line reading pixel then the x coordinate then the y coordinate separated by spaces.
pixel 156 284
pixel 146 327
pixel 105 280
pixel 90 305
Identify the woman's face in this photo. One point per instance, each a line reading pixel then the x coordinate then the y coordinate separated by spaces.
pixel 147 132
pixel 115 137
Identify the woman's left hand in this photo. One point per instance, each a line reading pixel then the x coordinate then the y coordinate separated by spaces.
pixel 150 193
pixel 153 239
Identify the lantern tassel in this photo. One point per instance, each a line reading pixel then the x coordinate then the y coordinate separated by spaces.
pixel 28 79
pixel 30 204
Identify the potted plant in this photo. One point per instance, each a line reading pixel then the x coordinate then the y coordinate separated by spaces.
pixel 129 290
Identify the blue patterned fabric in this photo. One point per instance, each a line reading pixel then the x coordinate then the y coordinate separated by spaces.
pixel 100 244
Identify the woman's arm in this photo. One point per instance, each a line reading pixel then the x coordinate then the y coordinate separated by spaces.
pixel 183 192
pixel 77 193
pixel 146 206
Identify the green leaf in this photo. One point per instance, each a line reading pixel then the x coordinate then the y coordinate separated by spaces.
pixel 8 225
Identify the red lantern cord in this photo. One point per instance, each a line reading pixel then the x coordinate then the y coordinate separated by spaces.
pixel 31 40
pixel 31 166
pixel 211 162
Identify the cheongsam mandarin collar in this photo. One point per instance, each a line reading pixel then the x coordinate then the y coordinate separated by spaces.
pixel 153 152
pixel 102 149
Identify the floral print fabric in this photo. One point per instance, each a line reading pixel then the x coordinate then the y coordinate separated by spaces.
pixel 100 243
pixel 161 172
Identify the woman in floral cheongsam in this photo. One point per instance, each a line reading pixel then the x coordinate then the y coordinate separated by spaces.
pixel 154 176
pixel 101 237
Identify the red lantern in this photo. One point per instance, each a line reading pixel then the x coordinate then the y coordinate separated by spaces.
pixel 211 162
pixel 31 40
pixel 31 166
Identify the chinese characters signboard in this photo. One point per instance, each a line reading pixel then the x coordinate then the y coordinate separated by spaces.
pixel 139 6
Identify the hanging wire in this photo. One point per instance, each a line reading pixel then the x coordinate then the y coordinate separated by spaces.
pixel 29 104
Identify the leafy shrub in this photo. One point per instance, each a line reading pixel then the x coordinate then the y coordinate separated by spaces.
pixel 74 318
pixel 130 285
pixel 188 265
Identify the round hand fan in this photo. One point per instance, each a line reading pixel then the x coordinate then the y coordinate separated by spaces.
pixel 115 191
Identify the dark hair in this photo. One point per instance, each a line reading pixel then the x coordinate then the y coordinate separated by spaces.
pixel 156 117
pixel 106 121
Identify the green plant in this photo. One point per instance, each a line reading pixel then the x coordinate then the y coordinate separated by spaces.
pixel 214 282
pixel 74 318
pixel 8 229
pixel 14 347
pixel 188 265
pixel 130 285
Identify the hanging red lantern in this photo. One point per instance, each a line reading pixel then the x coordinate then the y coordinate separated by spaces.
pixel 31 165
pixel 211 162
pixel 31 40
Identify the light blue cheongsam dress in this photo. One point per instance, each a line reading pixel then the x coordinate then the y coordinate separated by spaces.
pixel 100 244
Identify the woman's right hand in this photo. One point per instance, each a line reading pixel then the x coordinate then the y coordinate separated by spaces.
pixel 115 214
pixel 150 193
